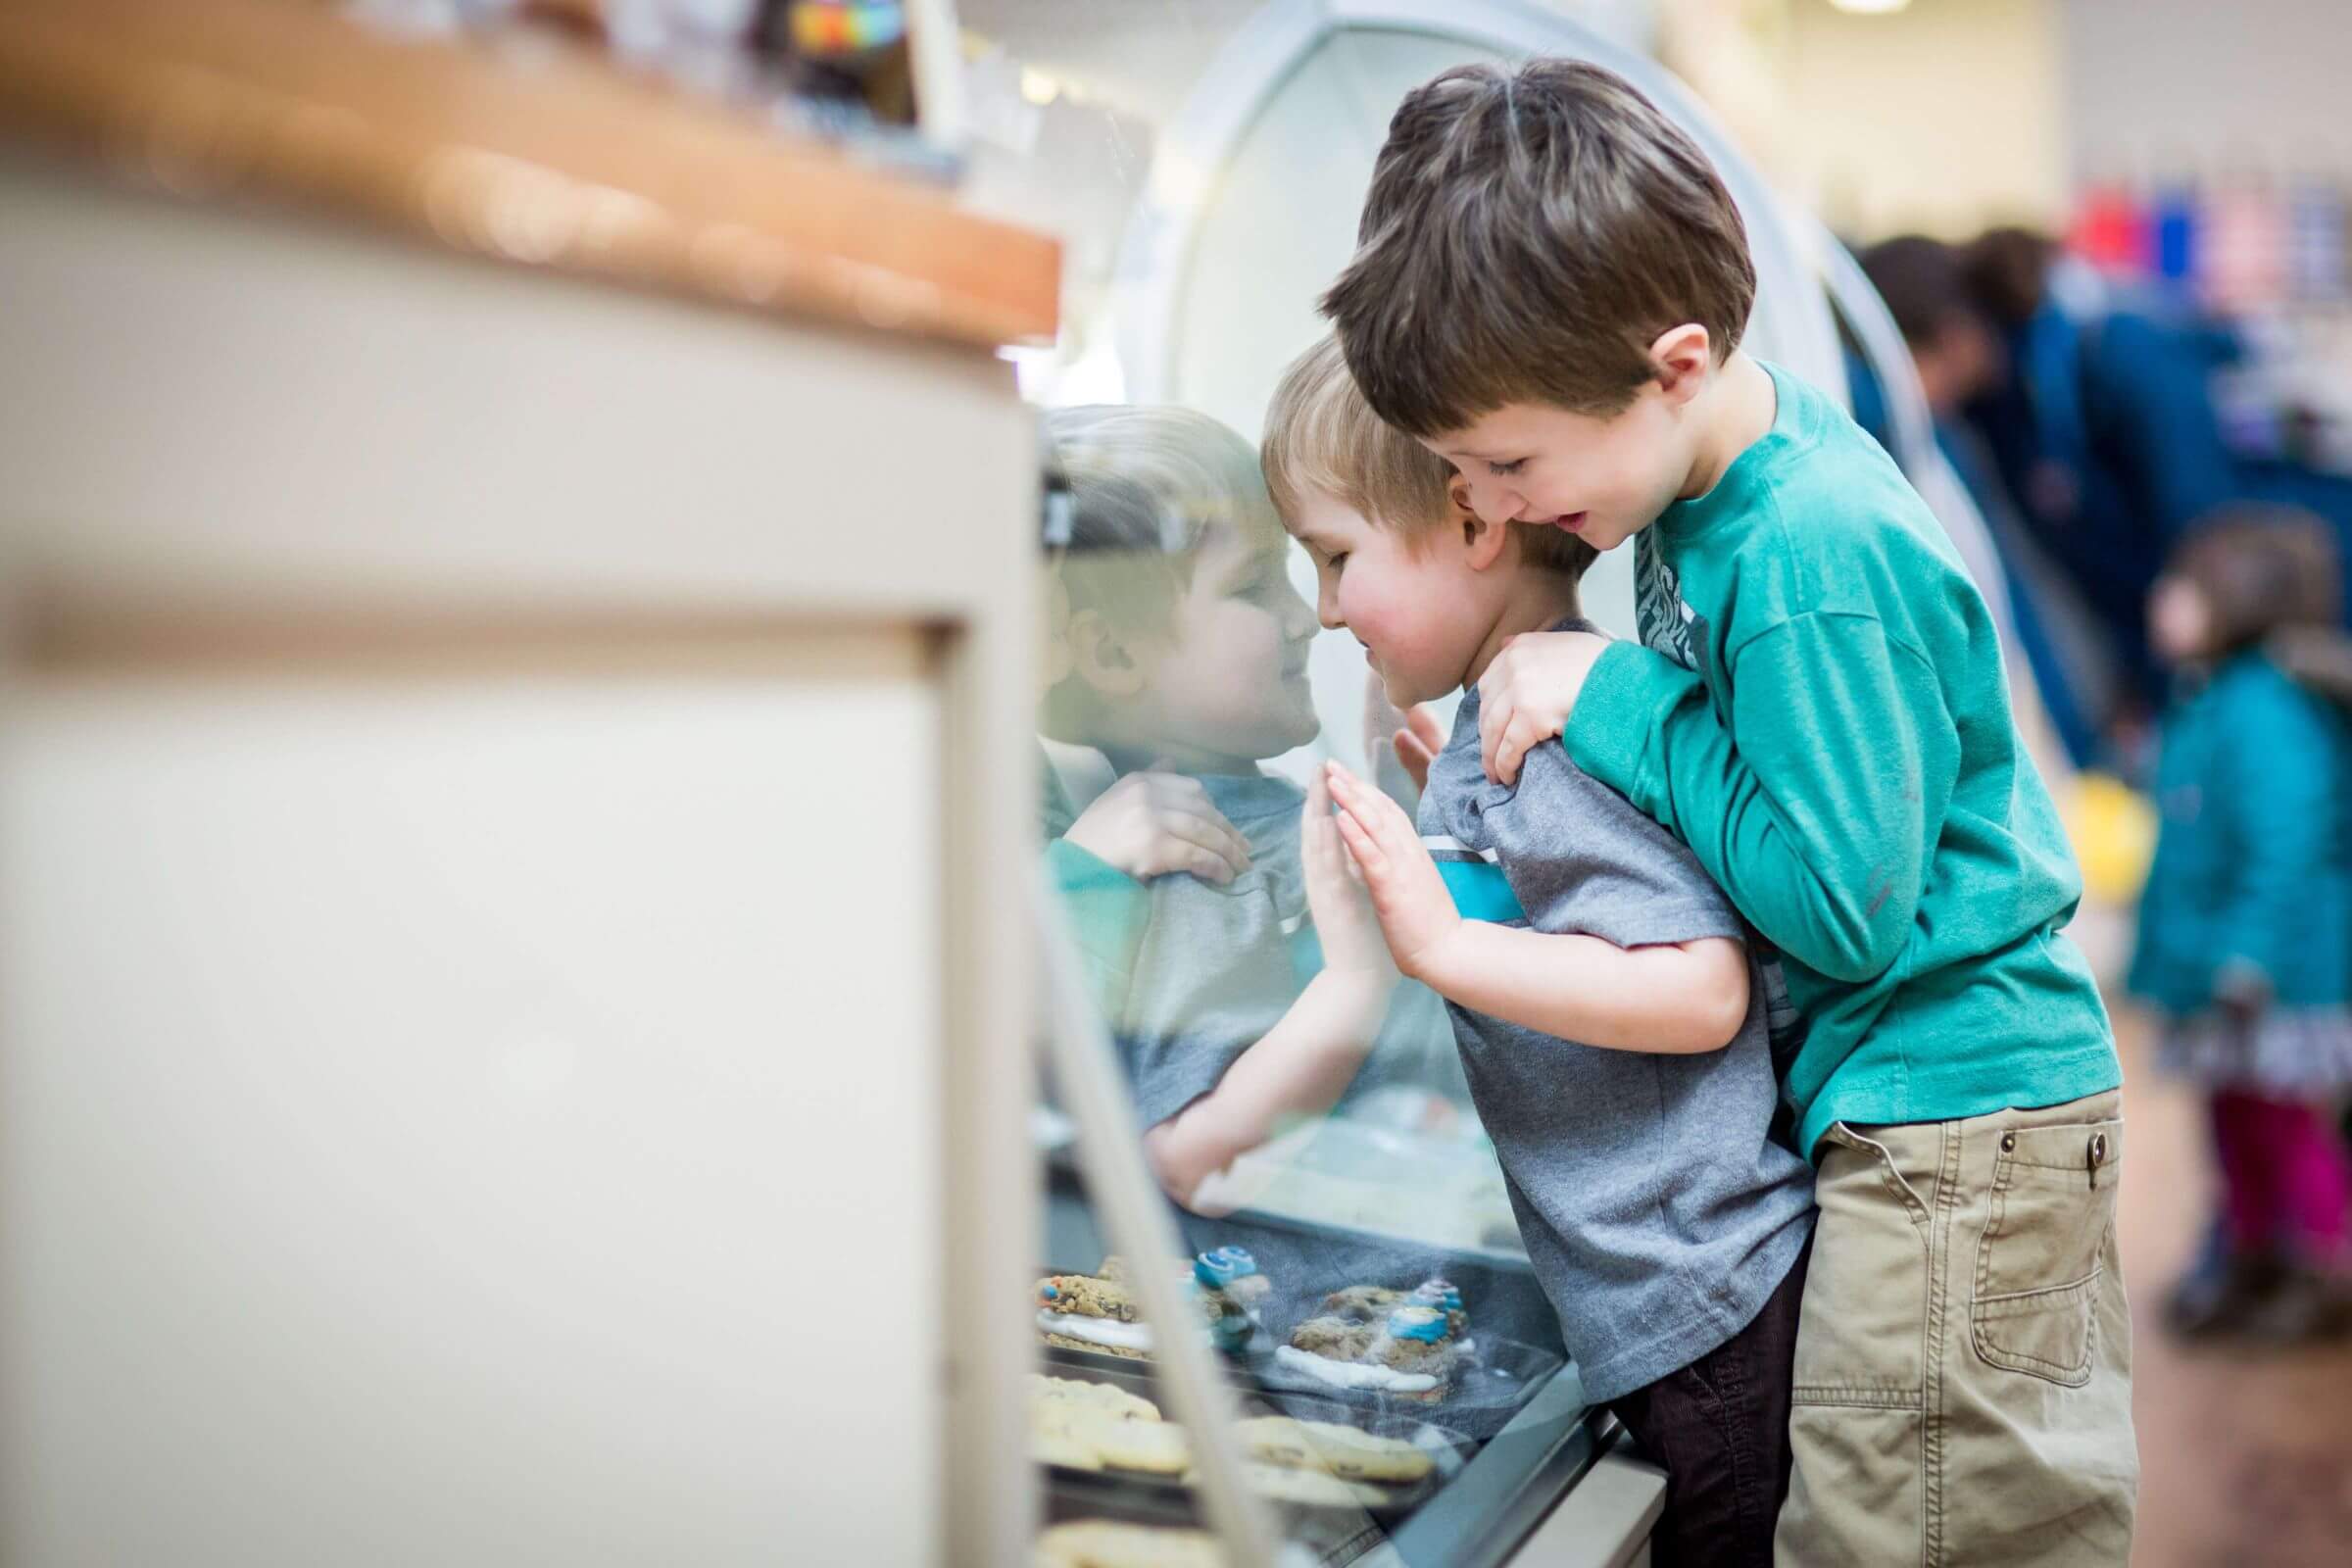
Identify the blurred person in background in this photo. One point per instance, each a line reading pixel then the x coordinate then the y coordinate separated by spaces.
pixel 1958 356
pixel 2105 429
pixel 2245 940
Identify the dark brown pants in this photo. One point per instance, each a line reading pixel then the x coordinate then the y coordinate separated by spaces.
pixel 1720 1428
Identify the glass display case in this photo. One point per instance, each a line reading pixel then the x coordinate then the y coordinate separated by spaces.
pixel 1386 1379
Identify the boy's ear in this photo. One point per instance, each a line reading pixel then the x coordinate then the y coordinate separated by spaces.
pixel 1482 541
pixel 1101 658
pixel 1683 356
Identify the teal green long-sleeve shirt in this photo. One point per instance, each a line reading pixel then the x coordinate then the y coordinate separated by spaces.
pixel 1842 760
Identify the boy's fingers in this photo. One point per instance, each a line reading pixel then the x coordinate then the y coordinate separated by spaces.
pixel 1212 837
pixel 1203 824
pixel 1414 756
pixel 1492 716
pixel 1361 844
pixel 1207 867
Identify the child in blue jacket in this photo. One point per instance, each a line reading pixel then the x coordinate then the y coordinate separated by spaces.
pixel 2245 940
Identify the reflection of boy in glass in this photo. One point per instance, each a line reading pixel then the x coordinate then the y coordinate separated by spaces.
pixel 1183 659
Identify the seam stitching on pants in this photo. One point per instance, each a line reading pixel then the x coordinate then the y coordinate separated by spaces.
pixel 1936 1332
pixel 1860 1399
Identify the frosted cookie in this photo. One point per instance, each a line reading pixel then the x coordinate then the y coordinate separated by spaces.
pixel 1410 1353
pixel 1330 1448
pixel 1092 1312
pixel 1372 1303
pixel 1097 1313
pixel 1105 1544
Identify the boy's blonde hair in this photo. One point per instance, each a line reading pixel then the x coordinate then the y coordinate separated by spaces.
pixel 1322 437
pixel 1146 485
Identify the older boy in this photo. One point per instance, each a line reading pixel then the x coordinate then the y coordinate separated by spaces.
pixel 1548 293
pixel 1603 1003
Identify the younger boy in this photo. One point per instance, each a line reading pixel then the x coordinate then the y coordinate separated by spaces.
pixel 1254 990
pixel 1549 292
pixel 1608 1017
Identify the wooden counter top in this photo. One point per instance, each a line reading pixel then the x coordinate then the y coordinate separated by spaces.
pixel 541 156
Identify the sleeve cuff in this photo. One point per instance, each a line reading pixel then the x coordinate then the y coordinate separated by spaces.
pixel 1629 692
pixel 1078 871
pixel 1107 910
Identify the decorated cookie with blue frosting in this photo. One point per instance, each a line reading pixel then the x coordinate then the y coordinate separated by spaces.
pixel 1442 1295
pixel 1425 1325
pixel 1233 1271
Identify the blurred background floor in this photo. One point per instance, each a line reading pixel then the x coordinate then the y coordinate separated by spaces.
pixel 2247 1457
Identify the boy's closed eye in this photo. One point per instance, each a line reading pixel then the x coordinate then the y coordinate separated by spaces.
pixel 1503 470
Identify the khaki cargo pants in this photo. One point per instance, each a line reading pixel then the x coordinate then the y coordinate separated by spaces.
pixel 1964 1359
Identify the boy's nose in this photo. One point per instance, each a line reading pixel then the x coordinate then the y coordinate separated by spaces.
pixel 1327 610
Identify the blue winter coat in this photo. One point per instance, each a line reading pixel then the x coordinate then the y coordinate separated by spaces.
pixel 2254 858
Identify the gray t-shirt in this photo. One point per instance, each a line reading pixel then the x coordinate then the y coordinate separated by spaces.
pixel 1656 1202
pixel 1216 967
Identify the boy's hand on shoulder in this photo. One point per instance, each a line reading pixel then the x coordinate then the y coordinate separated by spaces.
pixel 1409 898
pixel 1153 824
pixel 1528 692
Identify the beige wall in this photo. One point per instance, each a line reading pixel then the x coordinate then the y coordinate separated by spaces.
pixel 1944 117
pixel 2184 87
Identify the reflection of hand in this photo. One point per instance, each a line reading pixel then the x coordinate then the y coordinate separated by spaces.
pixel 1528 692
pixel 1344 922
pixel 1409 898
pixel 1153 824
pixel 1419 743
pixel 1414 745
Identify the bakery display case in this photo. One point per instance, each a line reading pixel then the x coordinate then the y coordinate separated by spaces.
pixel 1386 1379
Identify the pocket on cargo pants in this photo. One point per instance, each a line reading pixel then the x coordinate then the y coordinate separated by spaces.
pixel 2040 1264
pixel 1855 1425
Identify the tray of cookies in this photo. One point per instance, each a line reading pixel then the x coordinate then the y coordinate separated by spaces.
pixel 1091 1319
pixel 1104 1433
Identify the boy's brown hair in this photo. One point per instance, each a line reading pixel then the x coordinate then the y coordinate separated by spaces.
pixel 1527 239
pixel 1322 436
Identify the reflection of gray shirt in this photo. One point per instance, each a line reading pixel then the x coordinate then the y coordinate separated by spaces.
pixel 1216 967
pixel 1657 1206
